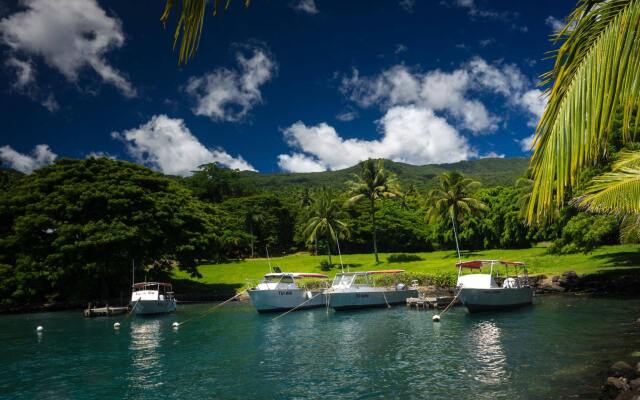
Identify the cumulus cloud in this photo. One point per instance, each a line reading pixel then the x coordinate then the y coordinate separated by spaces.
pixel 526 143
pixel 229 95
pixel 69 36
pixel 407 5
pixel 306 6
pixel 40 156
pixel 410 134
pixel 167 144
pixel 554 23
pixel 442 91
pixel 25 73
pixel 534 101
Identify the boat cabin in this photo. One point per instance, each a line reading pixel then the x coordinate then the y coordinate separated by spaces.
pixel 484 273
pixel 345 280
pixel 151 291
pixel 285 280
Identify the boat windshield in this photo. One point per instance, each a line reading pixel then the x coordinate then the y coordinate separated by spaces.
pixel 343 280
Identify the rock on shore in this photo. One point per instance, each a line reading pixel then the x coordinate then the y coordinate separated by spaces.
pixel 622 383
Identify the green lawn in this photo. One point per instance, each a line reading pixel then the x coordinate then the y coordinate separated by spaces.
pixel 607 258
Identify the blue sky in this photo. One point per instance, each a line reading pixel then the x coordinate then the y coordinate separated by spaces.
pixel 290 85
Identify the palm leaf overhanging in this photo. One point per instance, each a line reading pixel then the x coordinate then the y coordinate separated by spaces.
pixel 615 192
pixel 190 24
pixel 596 75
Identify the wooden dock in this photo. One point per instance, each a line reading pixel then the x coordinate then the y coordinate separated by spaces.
pixel 429 302
pixel 106 311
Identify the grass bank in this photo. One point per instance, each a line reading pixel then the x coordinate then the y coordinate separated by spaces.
pixel 238 274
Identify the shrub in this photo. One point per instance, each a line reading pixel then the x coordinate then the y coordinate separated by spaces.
pixel 584 232
pixel 403 257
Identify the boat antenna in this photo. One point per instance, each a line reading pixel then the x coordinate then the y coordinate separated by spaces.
pixel 268 259
pixel 455 234
pixel 133 271
pixel 340 254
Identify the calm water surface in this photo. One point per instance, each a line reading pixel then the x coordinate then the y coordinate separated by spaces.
pixel 552 350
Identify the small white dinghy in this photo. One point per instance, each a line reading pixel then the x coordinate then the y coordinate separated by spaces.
pixel 351 290
pixel 480 292
pixel 279 291
pixel 152 298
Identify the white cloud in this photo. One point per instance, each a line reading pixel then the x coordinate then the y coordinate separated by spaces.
pixel 535 102
pixel 347 116
pixel 476 12
pixel 226 95
pixel 69 36
pixel 306 6
pixel 492 154
pixel 407 5
pixel 526 143
pixel 168 145
pixel 410 134
pixel 448 92
pixel 554 23
pixel 40 156
pixel 25 73
pixel 297 162
pixel 400 48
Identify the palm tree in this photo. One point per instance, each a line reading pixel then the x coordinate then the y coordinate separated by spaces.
pixel 190 23
pixel 252 218
pixel 371 184
pixel 326 220
pixel 452 200
pixel 596 77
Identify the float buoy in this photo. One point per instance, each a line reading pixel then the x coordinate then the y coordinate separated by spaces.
pixel 175 325
pixel 116 325
pixel 39 329
pixel 436 318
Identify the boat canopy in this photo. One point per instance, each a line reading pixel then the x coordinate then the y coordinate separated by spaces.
pixel 296 275
pixel 382 271
pixel 477 264
pixel 146 284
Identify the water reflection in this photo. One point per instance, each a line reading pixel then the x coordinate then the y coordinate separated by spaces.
pixel 487 350
pixel 146 363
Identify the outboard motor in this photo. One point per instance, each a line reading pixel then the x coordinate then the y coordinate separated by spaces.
pixel 401 286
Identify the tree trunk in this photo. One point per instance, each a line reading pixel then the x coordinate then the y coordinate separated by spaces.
pixel 251 243
pixel 373 224
pixel 315 249
pixel 329 252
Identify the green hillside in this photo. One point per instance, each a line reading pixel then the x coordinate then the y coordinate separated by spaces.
pixel 489 171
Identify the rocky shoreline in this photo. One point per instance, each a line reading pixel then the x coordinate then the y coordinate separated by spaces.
pixel 622 382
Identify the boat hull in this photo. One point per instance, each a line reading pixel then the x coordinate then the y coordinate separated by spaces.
pixel 350 300
pixel 495 299
pixel 151 307
pixel 285 299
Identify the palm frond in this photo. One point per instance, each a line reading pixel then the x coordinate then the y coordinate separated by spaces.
pixel 190 23
pixel 616 192
pixel 595 75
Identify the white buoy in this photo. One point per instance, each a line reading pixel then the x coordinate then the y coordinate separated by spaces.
pixel 116 325
pixel 175 325
pixel 436 318
pixel 39 329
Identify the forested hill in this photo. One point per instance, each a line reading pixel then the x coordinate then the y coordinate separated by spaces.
pixel 489 171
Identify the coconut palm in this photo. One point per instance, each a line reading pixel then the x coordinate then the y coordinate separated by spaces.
pixel 371 184
pixel 451 200
pixel 327 220
pixel 596 77
pixel 252 218
pixel 190 23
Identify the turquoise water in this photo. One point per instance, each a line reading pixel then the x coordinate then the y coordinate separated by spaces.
pixel 552 350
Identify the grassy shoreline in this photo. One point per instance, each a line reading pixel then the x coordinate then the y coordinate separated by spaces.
pixel 237 275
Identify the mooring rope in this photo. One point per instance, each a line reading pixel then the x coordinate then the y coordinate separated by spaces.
pixel 212 309
pixel 385 299
pixel 132 308
pixel 296 307
pixel 450 304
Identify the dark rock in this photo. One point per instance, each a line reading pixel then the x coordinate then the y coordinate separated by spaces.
pixel 623 370
pixel 613 387
pixel 555 278
pixel 635 384
pixel 628 395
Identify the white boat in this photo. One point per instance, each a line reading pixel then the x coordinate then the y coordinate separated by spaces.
pixel 480 292
pixel 280 292
pixel 353 290
pixel 152 298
